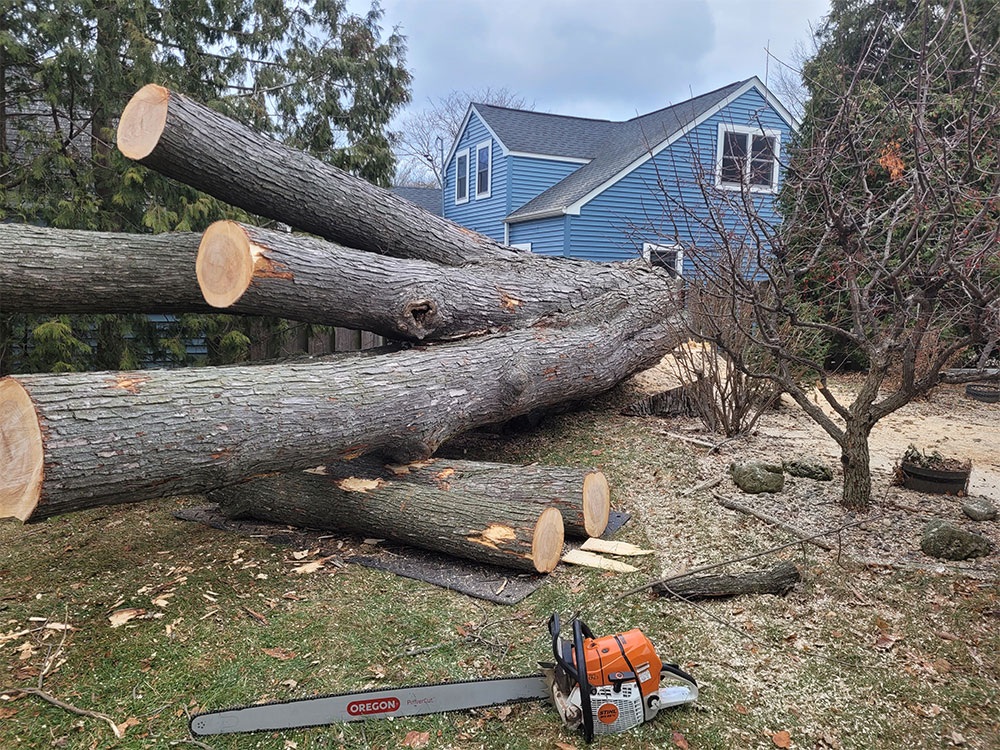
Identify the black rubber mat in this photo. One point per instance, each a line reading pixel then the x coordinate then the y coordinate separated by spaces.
pixel 487 582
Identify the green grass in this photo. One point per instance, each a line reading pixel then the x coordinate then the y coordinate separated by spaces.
pixel 346 626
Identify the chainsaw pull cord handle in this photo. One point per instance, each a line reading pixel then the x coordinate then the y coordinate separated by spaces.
pixel 577 671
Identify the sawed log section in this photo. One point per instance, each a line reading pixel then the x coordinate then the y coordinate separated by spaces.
pixel 581 495
pixel 78 440
pixel 778 580
pixel 463 524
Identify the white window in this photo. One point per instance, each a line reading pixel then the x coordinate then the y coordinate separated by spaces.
pixel 747 156
pixel 484 165
pixel 462 176
pixel 670 257
pixel 521 245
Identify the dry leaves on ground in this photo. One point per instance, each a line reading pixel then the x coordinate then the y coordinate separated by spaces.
pixel 282 654
pixel 782 739
pixel 416 739
pixel 681 741
pixel 120 616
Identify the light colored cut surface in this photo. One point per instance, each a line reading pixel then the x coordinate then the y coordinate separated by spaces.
pixel 623 549
pixel 547 541
pixel 142 121
pixel 596 503
pixel 225 263
pixel 590 560
pixel 21 452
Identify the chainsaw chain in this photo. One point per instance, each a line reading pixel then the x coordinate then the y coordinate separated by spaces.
pixel 512 701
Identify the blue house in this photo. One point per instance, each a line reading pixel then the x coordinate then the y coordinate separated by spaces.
pixel 609 190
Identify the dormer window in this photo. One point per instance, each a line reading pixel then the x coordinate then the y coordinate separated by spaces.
pixel 747 156
pixel 484 165
pixel 462 176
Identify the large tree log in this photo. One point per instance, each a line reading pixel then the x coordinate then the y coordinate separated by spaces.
pixel 473 527
pixel 581 495
pixel 187 141
pixel 44 270
pixel 79 440
pixel 247 269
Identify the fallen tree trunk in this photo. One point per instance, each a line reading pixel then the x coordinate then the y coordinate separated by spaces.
pixel 79 440
pixel 185 140
pixel 778 580
pixel 246 269
pixel 463 524
pixel 580 495
pixel 44 270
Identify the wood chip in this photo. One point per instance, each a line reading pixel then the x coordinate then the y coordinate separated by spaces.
pixel 623 549
pixel 590 560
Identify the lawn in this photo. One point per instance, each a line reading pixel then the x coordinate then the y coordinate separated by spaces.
pixel 854 657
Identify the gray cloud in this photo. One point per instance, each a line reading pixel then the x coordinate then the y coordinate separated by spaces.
pixel 594 58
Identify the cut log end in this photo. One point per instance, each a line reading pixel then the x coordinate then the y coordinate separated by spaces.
pixel 547 541
pixel 596 503
pixel 142 121
pixel 225 263
pixel 21 452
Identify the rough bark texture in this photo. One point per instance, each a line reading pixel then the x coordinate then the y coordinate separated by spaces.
pixel 856 460
pixel 580 495
pixel 778 580
pixel 462 524
pixel 45 270
pixel 257 271
pixel 187 141
pixel 110 437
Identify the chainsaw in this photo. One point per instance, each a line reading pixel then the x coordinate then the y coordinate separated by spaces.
pixel 598 685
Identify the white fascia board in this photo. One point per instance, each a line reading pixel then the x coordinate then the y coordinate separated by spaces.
pixel 753 83
pixel 503 149
pixel 461 132
pixel 787 116
pixel 538 215
pixel 550 157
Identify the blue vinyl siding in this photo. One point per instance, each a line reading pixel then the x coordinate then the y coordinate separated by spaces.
pixel 545 235
pixel 530 177
pixel 614 224
pixel 485 215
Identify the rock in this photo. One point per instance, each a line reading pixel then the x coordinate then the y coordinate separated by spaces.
pixel 947 542
pixel 979 509
pixel 809 468
pixel 755 477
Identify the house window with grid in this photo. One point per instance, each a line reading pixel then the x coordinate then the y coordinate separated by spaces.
pixel 747 157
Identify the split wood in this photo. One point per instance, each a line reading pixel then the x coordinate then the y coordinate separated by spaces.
pixel 753 556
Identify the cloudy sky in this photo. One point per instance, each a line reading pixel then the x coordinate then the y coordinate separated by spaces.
pixel 594 58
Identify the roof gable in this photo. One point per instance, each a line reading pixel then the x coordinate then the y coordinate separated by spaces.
pixel 546 134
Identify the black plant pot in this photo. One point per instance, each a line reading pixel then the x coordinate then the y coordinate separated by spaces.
pixel 980 392
pixel 937 481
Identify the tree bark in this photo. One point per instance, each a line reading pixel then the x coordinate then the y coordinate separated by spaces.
pixel 581 495
pixel 44 270
pixel 78 440
pixel 189 142
pixel 256 271
pixel 778 580
pixel 856 459
pixel 463 524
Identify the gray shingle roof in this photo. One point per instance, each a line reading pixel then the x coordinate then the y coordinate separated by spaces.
pixel 543 133
pixel 427 198
pixel 619 144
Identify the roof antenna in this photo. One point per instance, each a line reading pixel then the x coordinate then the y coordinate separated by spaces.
pixel 767 61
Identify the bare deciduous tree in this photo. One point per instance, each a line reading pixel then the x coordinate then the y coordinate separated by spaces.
pixel 889 236
pixel 430 131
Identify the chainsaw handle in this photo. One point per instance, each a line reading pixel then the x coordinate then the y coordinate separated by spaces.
pixel 565 658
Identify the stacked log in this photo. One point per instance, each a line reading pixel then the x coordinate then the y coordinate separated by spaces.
pixel 581 496
pixel 484 528
pixel 520 332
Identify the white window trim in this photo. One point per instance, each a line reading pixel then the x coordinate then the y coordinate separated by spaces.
pixel 747 130
pixel 648 247
pixel 459 154
pixel 487 146
pixel 521 246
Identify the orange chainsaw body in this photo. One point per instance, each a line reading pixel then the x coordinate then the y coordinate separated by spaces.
pixel 613 655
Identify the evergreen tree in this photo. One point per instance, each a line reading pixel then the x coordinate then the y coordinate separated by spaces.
pixel 308 73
